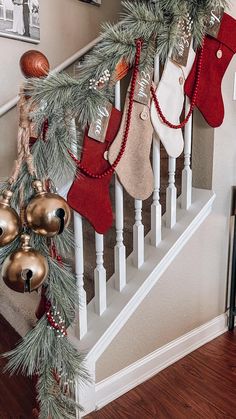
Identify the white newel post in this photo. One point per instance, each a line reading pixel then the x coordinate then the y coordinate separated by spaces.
pixel 186 200
pixel 120 250
pixel 81 318
pixel 100 276
pixel 138 235
pixel 156 211
pixel 85 393
pixel 171 195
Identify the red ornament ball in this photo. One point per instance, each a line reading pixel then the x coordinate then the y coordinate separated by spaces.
pixel 34 64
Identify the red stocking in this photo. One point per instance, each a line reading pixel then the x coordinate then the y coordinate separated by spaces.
pixel 216 58
pixel 88 196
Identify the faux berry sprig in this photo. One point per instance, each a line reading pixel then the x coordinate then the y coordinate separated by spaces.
pixel 55 320
pixel 99 84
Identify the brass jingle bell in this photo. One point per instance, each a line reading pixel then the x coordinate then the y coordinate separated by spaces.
pixel 26 269
pixel 10 224
pixel 47 214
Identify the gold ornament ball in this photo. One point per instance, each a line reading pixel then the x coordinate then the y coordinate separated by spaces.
pixel 34 64
pixel 10 224
pixel 26 269
pixel 47 214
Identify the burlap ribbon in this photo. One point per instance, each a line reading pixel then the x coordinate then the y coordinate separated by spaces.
pixel 26 130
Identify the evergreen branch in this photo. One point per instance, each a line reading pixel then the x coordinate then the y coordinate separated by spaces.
pixel 62 291
pixel 55 406
pixel 7 250
pixel 41 352
pixel 147 20
pixel 65 243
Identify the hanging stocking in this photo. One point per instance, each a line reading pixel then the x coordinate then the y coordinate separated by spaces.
pixel 170 94
pixel 134 169
pixel 89 196
pixel 217 56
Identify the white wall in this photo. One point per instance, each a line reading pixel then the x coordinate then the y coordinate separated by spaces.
pixel 66 26
pixel 192 291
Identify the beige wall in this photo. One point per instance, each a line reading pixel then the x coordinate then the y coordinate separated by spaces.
pixel 66 26
pixel 192 291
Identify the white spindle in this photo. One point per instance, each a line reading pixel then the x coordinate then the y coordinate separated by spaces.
pixel 100 276
pixel 156 211
pixel 186 200
pixel 79 270
pixel 120 251
pixel 171 195
pixel 117 96
pixel 138 235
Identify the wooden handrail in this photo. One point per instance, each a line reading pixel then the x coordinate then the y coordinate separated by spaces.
pixel 13 102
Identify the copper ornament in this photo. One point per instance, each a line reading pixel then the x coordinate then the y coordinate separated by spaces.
pixel 10 224
pixel 47 214
pixel 34 64
pixel 26 269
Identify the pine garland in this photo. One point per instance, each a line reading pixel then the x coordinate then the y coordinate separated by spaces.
pixel 150 20
pixel 41 352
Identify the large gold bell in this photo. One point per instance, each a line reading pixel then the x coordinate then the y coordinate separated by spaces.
pixel 10 224
pixel 47 213
pixel 26 269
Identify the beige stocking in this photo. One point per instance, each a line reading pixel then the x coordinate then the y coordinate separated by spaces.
pixel 135 170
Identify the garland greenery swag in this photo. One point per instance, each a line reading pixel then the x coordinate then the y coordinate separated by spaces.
pixel 41 352
pixel 61 98
pixel 155 22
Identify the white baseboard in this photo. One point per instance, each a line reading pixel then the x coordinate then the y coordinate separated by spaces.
pixel 125 380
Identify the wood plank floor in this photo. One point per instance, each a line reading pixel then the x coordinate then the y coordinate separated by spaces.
pixel 16 393
pixel 201 385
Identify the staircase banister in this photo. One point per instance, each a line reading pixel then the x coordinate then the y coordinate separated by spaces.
pixel 69 61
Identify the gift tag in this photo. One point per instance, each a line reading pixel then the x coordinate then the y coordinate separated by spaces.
pixel 98 128
pixel 181 51
pixel 142 91
pixel 214 22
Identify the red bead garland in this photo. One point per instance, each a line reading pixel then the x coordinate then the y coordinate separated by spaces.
pixel 45 129
pixel 193 102
pixel 128 122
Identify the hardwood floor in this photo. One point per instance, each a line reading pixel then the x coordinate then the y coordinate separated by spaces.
pixel 16 393
pixel 201 385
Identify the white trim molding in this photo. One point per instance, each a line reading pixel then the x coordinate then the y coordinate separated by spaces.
pixel 128 378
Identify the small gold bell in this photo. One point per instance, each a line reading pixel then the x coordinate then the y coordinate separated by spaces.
pixel 10 224
pixel 26 269
pixel 47 214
